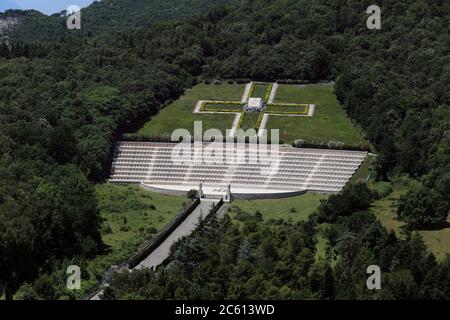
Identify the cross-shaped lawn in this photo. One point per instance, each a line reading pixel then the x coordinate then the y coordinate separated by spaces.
pixel 254 120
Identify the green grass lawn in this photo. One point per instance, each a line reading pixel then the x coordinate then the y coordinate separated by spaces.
pixel 130 213
pixel 260 91
pixel 329 123
pixel 250 120
pixel 140 208
pixel 438 241
pixel 275 108
pixel 222 106
pixel 296 208
pixel 179 114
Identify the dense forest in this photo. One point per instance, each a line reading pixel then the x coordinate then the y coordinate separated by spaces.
pixel 248 258
pixel 63 103
pixel 103 16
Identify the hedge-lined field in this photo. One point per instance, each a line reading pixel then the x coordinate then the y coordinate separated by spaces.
pixel 250 120
pixel 297 208
pixel 300 109
pixel 222 107
pixel 329 123
pixel 179 114
pixel 260 90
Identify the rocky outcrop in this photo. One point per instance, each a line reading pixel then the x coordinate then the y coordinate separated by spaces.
pixel 8 24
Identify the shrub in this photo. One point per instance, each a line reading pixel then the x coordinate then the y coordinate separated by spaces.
pixel 269 90
pixel 422 208
pixel 353 198
pixel 106 229
pixel 192 194
pixel 382 190
pixel 125 228
pixel 152 230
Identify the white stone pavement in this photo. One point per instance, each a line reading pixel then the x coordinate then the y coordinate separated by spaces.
pixel 246 92
pixel 312 109
pixel 273 93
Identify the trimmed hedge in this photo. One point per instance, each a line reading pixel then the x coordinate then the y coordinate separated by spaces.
pixel 269 90
pixel 258 123
pixel 252 88
pixel 281 105
pixel 331 146
pixel 287 105
pixel 286 112
pixel 293 81
pixel 204 106
pixel 241 120
pixel 222 110
pixel 139 138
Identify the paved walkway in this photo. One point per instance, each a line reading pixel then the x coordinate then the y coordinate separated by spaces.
pixel 273 93
pixel 161 253
pixel 246 92
pixel 312 109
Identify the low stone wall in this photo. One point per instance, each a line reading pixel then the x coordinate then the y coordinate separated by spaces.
pixel 167 192
pixel 262 196
pixel 162 235
pixel 241 196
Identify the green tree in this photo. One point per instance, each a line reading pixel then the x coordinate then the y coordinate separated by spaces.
pixel 422 208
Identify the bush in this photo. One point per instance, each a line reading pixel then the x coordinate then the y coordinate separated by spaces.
pixel 192 194
pixel 243 81
pixel 422 208
pixel 245 217
pixel 353 198
pixel 125 228
pixel 382 190
pixel 106 229
pixel 152 230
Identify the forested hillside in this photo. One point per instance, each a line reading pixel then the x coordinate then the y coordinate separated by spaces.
pixel 105 16
pixel 62 104
pixel 249 258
